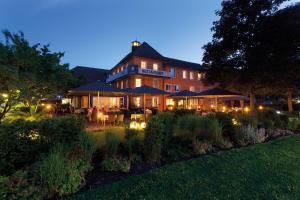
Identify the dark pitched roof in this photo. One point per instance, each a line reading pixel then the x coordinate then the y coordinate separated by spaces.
pixel 90 74
pixel 145 50
pixel 144 90
pixel 218 92
pixel 184 93
pixel 96 86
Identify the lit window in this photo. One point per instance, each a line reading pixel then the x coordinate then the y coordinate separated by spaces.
pixel 155 101
pixel 170 102
pixel 199 76
pixel 155 83
pixel 137 101
pixel 122 68
pixel 155 66
pixel 117 84
pixel 121 84
pixel 184 74
pixel 192 88
pixel 143 65
pixel 85 102
pixel 118 71
pixel 191 75
pixel 138 82
pixel 168 87
pixel 177 88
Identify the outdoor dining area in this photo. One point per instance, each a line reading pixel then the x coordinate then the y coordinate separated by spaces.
pixel 104 105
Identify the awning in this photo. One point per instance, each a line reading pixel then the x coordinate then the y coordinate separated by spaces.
pixel 144 90
pixel 184 94
pixel 96 87
pixel 218 93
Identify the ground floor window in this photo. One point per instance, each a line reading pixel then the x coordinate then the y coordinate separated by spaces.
pixel 85 102
pixel 170 102
pixel 137 102
pixel 155 102
pixel 193 103
pixel 107 102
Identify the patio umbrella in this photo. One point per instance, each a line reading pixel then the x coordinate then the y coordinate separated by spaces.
pixel 145 90
pixel 184 94
pixel 219 93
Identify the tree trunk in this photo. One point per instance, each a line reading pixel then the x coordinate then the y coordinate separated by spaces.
pixel 252 102
pixel 289 100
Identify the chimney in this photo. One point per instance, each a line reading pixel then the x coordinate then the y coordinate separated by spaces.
pixel 134 45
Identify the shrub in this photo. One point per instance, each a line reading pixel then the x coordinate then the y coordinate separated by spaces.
pixel 251 135
pixel 169 121
pixel 202 147
pixel 294 123
pixel 215 131
pixel 134 146
pixel 183 112
pixel 112 142
pixel 246 119
pixel 61 175
pixel 188 127
pixel 153 139
pixel 226 120
pixel 115 164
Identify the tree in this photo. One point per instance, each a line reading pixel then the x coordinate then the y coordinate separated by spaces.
pixel 29 73
pixel 231 56
pixel 280 51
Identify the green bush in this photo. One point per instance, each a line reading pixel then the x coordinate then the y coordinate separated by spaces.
pixel 202 147
pixel 251 135
pixel 61 175
pixel 153 139
pixel 23 142
pixel 115 165
pixel 246 119
pixel 134 145
pixel 226 120
pixel 169 121
pixel 182 112
pixel 294 123
pixel 189 126
pixel 112 142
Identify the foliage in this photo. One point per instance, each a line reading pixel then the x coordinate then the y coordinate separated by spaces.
pixel 30 72
pixel 246 119
pixel 294 123
pixel 112 143
pixel 202 146
pixel 251 135
pixel 226 120
pixel 266 171
pixel 24 113
pixel 182 112
pixel 233 55
pixel 60 174
pixel 134 145
pixel 153 139
pixel 169 121
pixel 23 142
pixel 116 164
pixel 189 126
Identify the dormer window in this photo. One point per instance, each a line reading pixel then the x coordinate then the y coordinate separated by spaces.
pixel 143 65
pixel 155 66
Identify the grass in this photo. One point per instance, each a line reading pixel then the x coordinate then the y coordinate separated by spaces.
pixel 99 136
pixel 263 171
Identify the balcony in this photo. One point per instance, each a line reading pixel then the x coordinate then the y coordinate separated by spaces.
pixel 135 70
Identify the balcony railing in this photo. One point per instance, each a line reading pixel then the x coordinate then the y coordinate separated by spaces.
pixel 134 69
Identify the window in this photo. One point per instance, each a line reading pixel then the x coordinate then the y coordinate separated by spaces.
pixel 155 66
pixel 155 101
pixel 192 88
pixel 121 84
pixel 184 75
pixel 191 75
pixel 117 84
pixel 177 88
pixel 170 102
pixel 126 83
pixel 118 71
pixel 85 102
pixel 168 87
pixel 155 83
pixel 137 101
pixel 173 72
pixel 199 76
pixel 138 82
pixel 122 68
pixel 143 65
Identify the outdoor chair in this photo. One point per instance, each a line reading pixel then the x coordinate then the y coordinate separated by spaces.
pixel 120 119
pixel 111 119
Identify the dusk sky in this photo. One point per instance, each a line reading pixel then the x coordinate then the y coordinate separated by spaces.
pixel 97 33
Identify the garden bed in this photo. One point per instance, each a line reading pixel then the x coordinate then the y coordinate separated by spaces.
pixel 263 171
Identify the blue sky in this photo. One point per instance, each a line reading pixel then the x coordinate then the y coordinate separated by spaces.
pixel 97 33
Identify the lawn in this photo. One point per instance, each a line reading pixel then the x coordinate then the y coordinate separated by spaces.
pixel 263 171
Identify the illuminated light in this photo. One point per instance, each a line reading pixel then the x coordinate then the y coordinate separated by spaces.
pixel 143 125
pixel 133 125
pixel 224 108
pixel 42 104
pixel 99 114
pixel 246 109
pixel 278 112
pixel 234 122
pixel 212 106
pixel 189 107
pixel 260 107
pixel 48 106
pixel 4 95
